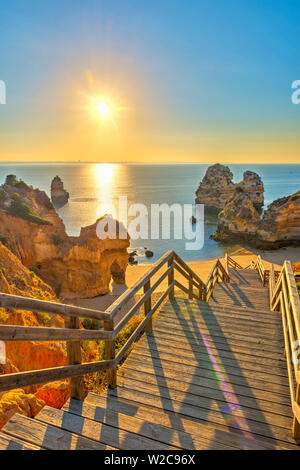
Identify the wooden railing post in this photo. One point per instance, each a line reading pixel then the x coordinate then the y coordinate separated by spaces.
pixel 296 424
pixel 171 278
pixel 75 357
pixel 110 354
pixel 191 294
pixel 147 307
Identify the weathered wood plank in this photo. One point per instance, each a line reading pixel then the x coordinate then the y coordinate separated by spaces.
pixel 239 410
pixel 191 425
pixel 215 393
pixel 22 379
pixel 208 365
pixel 211 414
pixel 9 443
pixel 147 427
pixel 251 388
pixel 34 305
pixel 99 432
pixel 33 333
pixel 49 437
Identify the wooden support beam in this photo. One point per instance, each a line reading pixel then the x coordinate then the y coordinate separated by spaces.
pixel 75 357
pixel 171 279
pixel 147 307
pixel 110 355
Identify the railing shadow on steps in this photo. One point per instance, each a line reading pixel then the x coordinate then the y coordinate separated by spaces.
pixel 284 298
pixel 73 335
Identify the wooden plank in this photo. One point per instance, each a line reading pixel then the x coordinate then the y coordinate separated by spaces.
pixel 22 379
pixel 110 355
pixel 34 305
pixel 75 358
pixel 165 401
pixel 99 432
pixel 206 312
pixel 147 427
pixel 229 339
pixel 49 437
pixel 267 314
pixel 9 443
pixel 214 393
pixel 208 365
pixel 196 346
pixel 33 333
pixel 179 422
pixel 251 388
pixel 223 332
pixel 271 334
pixel 208 356
pixel 234 349
pixel 190 321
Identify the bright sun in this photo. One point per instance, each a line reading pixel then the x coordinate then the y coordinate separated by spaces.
pixel 102 108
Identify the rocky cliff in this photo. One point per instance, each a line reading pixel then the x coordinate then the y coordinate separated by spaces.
pixel 16 279
pixel 74 266
pixel 59 196
pixel 279 226
pixel 217 188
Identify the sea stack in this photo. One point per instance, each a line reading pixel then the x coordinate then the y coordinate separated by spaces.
pixel 279 226
pixel 217 188
pixel 59 195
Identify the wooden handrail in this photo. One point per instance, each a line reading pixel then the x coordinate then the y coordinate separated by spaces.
pixel 284 297
pixel 231 263
pixel 73 335
pixel 217 272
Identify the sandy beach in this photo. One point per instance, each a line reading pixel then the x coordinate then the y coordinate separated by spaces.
pixel 202 268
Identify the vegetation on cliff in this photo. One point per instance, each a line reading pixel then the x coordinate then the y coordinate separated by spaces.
pixel 76 267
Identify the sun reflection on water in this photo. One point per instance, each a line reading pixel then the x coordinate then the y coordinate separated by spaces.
pixel 105 174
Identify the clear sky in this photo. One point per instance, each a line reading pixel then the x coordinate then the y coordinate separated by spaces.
pixel 185 80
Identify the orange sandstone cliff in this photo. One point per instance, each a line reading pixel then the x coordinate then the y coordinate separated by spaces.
pixel 74 266
pixel 16 279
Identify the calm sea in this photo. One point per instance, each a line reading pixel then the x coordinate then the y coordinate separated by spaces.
pixel 93 186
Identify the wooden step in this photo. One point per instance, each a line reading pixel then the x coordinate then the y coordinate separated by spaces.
pixel 9 443
pixel 165 399
pixel 49 437
pixel 251 388
pixel 99 432
pixel 144 425
pixel 196 387
pixel 179 423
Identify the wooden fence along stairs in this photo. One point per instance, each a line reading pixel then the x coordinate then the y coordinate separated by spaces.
pixel 215 369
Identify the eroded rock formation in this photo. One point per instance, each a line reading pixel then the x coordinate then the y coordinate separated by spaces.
pixel 16 279
pixel 217 188
pixel 74 266
pixel 59 196
pixel 279 226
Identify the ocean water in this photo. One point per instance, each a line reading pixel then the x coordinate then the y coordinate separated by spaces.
pixel 93 187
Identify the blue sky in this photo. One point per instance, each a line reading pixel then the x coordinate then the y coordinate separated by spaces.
pixel 201 80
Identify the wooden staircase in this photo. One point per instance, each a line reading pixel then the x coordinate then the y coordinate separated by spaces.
pixel 210 375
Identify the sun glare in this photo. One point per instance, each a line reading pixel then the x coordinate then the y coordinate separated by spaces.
pixel 102 108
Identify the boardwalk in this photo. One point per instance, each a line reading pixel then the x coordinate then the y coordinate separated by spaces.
pixel 210 376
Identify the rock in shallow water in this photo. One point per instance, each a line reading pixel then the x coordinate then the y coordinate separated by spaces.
pixel 59 195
